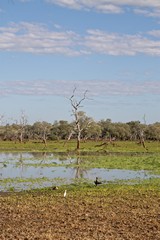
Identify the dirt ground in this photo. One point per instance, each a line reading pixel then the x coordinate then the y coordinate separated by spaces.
pixel 86 216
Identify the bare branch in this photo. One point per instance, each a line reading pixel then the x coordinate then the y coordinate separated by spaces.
pixel 75 107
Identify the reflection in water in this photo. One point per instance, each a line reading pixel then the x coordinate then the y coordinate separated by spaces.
pixel 20 166
pixel 79 171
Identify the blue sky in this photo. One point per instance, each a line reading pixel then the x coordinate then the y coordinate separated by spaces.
pixel 110 48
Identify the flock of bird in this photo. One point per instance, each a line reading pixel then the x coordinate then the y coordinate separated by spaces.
pixel 96 182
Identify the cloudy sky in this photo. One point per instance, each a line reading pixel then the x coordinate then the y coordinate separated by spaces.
pixel 109 47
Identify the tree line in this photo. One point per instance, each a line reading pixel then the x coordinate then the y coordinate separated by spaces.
pixel 89 129
pixel 81 128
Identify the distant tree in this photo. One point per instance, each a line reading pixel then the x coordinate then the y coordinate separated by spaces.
pixel 29 132
pixel 152 132
pixel 1 126
pixel 121 131
pixel 22 125
pixel 138 132
pixel 18 128
pixel 76 105
pixel 41 131
pixel 107 129
pixel 92 130
pixel 1 119
pixel 7 133
pixel 60 130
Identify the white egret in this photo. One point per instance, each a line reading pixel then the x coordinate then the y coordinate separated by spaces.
pixel 65 193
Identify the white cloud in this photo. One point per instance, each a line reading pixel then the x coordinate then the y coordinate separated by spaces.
pixel 25 1
pixel 116 44
pixel 101 6
pixel 64 88
pixel 148 8
pixel 57 26
pixel 38 39
pixel 155 33
pixel 108 6
pixel 148 13
pixel 67 3
pixel 95 3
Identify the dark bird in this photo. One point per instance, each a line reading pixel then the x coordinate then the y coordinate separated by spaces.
pixel 97 182
pixel 54 188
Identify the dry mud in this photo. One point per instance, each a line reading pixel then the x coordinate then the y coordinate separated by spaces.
pixel 85 215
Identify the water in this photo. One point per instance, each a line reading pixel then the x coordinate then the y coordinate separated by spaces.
pixel 32 170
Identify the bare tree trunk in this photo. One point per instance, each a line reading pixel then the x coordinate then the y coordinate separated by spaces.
pixel 78 141
pixel 142 142
pixel 44 139
pixel 69 137
pixel 45 142
pixel 76 105
pixel 22 125
pixel 21 137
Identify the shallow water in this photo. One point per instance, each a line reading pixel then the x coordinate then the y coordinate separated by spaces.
pixel 32 170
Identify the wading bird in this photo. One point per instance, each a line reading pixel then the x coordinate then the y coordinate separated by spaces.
pixel 65 193
pixel 97 182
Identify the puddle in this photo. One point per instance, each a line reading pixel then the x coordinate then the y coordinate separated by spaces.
pixel 17 172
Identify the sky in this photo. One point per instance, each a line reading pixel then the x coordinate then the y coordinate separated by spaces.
pixel 109 48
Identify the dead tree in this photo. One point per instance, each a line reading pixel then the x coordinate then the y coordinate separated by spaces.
pixel 76 105
pixel 22 126
pixel 141 139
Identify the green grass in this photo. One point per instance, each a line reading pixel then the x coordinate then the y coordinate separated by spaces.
pixel 132 162
pixel 85 147
pixel 83 187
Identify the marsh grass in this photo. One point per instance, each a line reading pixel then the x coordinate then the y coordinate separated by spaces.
pixel 88 146
pixel 83 187
pixel 131 162
pixel 138 161
pixel 123 155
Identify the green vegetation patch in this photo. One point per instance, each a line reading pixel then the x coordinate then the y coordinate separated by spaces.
pixel 85 147
pixel 131 162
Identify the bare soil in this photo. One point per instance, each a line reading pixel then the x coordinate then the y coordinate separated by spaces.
pixel 88 215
